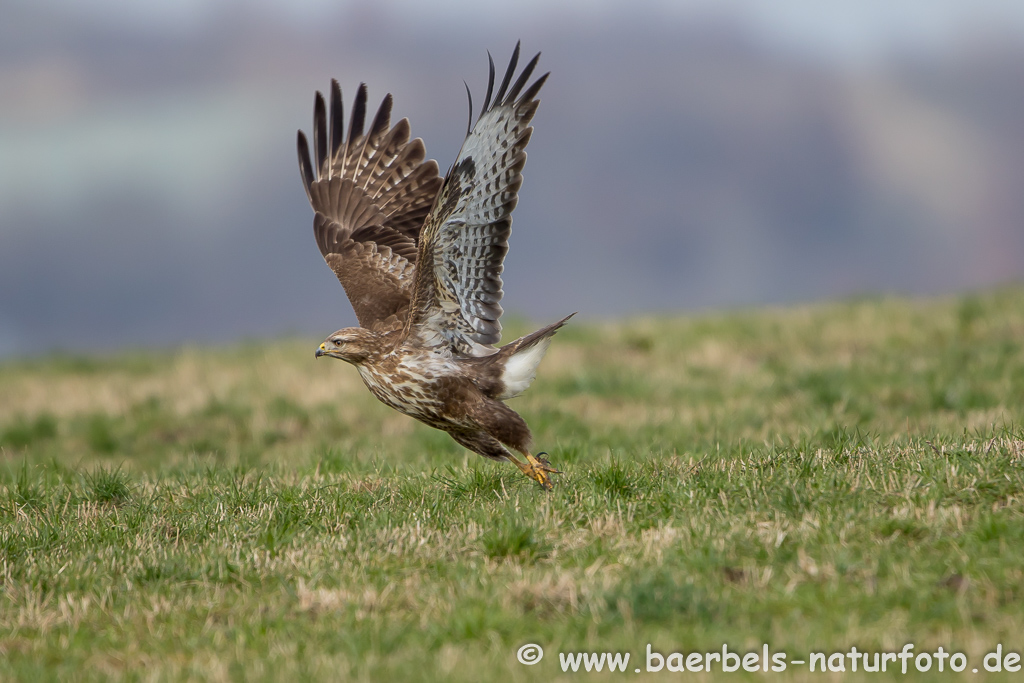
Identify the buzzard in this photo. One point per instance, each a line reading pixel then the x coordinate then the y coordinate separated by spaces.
pixel 421 258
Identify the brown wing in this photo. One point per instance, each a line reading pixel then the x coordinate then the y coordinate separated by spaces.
pixel 465 239
pixel 371 194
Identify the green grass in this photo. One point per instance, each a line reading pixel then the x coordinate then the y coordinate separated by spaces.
pixel 813 478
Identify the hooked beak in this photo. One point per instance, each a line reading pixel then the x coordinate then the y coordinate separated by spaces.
pixel 322 351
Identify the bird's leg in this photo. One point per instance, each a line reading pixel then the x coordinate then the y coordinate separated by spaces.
pixel 536 468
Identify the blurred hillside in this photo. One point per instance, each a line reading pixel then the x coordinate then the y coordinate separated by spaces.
pixel 149 192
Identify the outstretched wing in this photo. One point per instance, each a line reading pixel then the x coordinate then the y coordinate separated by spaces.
pixel 463 245
pixel 371 194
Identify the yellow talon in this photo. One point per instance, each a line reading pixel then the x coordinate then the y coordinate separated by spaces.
pixel 537 468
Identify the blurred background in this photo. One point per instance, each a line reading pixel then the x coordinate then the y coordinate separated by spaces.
pixel 688 154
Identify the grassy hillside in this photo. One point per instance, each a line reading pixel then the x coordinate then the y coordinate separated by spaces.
pixel 813 479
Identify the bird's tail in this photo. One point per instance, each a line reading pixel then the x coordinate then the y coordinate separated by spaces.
pixel 523 356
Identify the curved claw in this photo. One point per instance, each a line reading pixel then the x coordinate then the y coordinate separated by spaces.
pixel 544 462
pixel 537 468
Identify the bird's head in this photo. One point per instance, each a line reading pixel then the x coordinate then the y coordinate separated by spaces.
pixel 352 344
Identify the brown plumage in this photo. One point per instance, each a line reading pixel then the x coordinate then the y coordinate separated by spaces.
pixel 421 260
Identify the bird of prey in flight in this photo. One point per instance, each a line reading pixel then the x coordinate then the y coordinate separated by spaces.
pixel 421 258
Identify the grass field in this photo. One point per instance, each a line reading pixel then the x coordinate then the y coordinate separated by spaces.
pixel 812 478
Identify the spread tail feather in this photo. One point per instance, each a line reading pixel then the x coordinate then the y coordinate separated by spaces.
pixel 523 356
